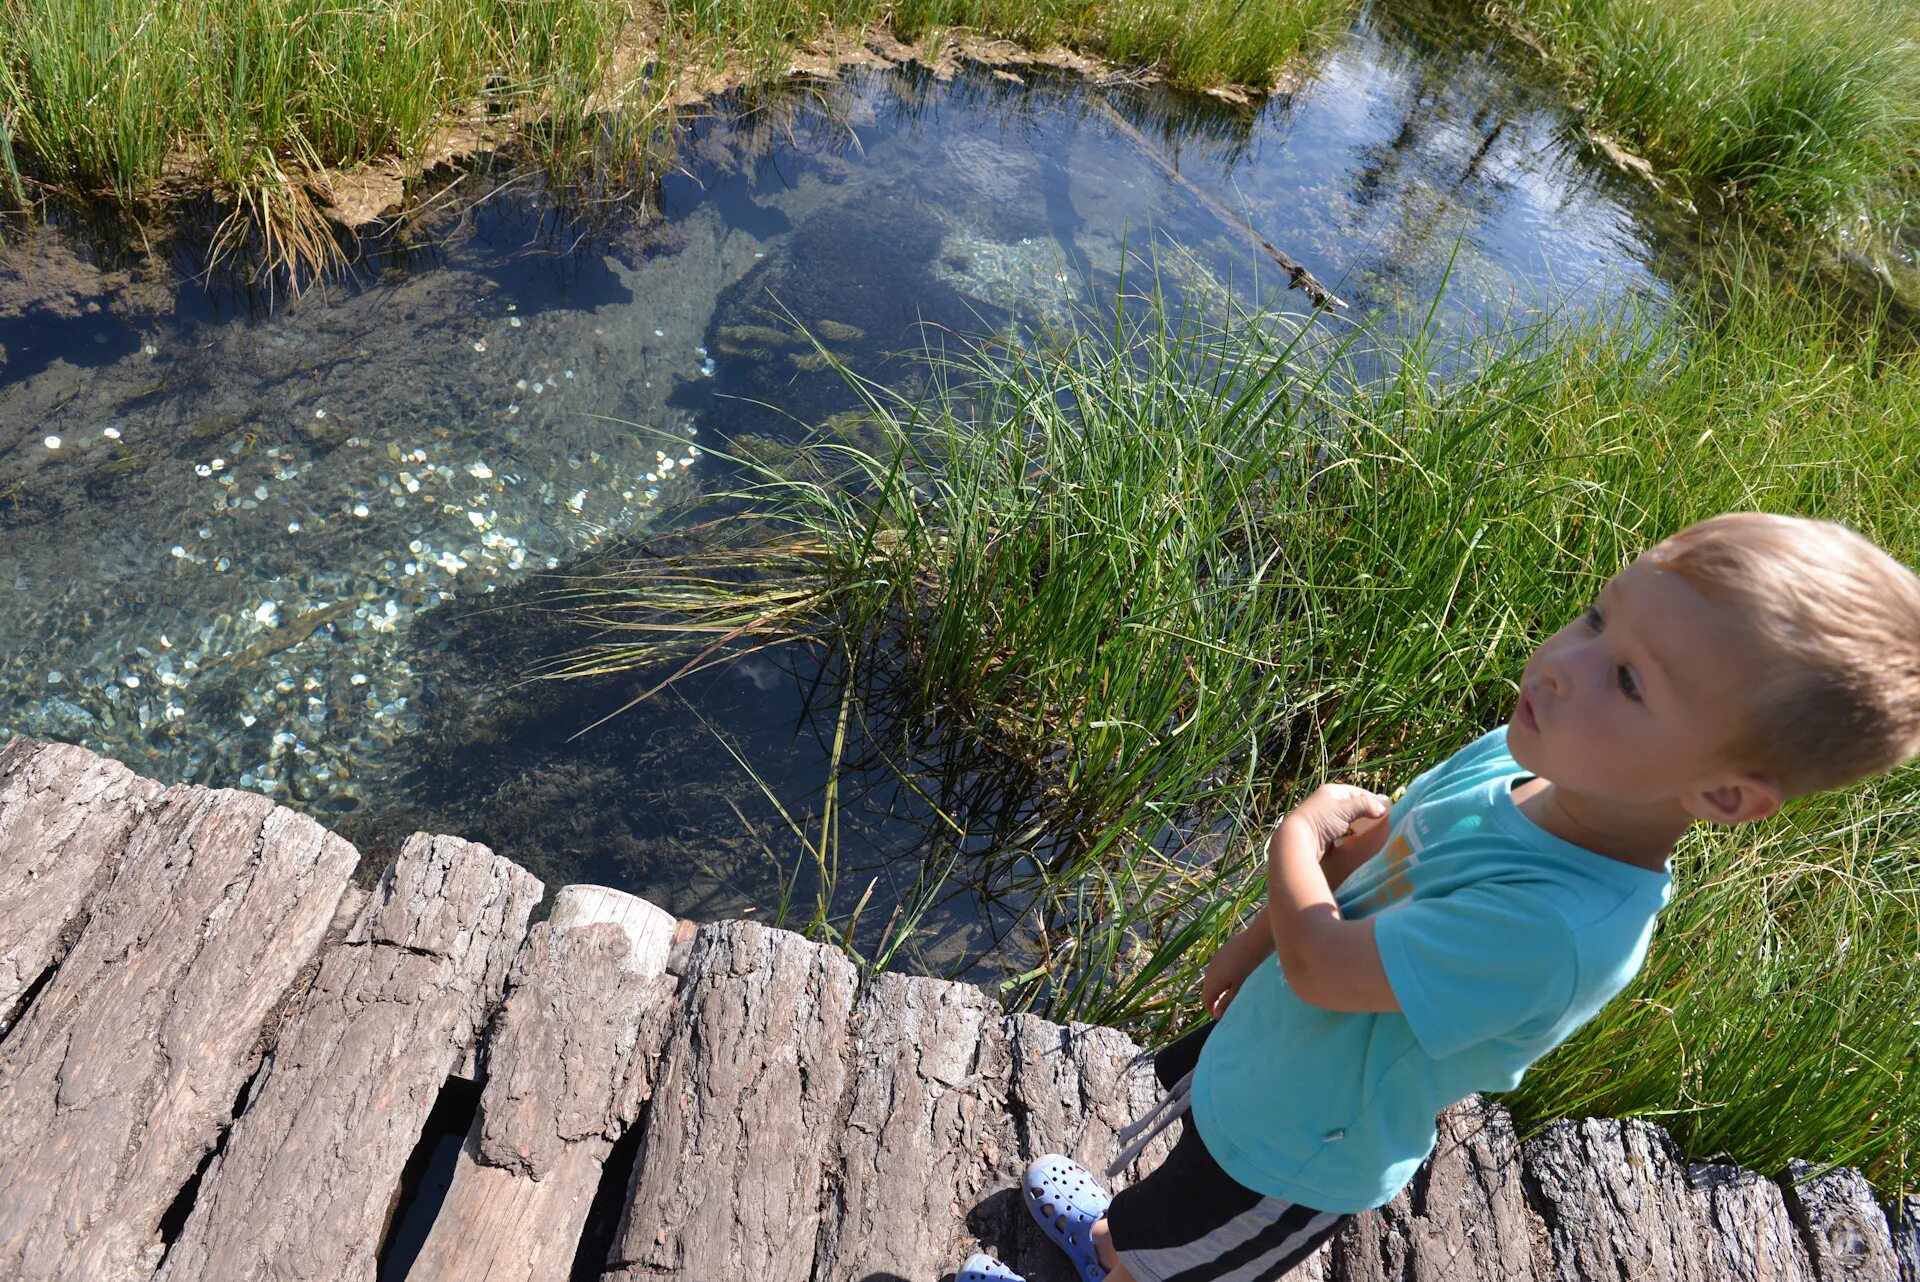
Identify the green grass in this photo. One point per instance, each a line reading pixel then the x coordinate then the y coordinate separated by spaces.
pixel 132 101
pixel 1179 572
pixel 1801 107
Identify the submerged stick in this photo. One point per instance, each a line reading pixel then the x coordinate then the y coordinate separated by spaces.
pixel 1298 276
pixel 299 629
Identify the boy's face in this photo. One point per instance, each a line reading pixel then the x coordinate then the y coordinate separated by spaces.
pixel 1634 701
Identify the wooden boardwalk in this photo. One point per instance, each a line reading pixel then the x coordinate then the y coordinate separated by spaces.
pixel 208 1028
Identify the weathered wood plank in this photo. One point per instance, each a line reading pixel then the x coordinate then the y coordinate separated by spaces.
pixel 1618 1202
pixel 1845 1229
pixel 311 1172
pixel 125 1069
pixel 1464 1216
pixel 1069 1090
pixel 567 1063
pixel 927 1135
pixel 64 819
pixel 746 1102
pixel 1903 1221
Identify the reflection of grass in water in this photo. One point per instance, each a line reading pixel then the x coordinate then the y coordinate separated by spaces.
pixel 131 99
pixel 1804 107
pixel 1181 573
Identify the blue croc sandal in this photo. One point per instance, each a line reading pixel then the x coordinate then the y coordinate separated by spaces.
pixel 1068 1202
pixel 984 1268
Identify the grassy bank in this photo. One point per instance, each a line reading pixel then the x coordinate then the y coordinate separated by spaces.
pixel 1802 108
pixel 134 100
pixel 1180 573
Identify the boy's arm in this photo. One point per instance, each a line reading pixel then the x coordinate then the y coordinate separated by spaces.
pixel 1362 843
pixel 1254 941
pixel 1328 961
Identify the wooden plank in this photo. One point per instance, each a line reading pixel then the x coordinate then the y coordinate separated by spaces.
pixel 126 1067
pixel 1464 1216
pixel 1848 1234
pixel 567 1064
pixel 1070 1090
pixel 1617 1201
pixel 311 1172
pixel 746 1103
pixel 927 1135
pixel 64 819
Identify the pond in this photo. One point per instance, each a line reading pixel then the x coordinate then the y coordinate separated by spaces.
pixel 298 544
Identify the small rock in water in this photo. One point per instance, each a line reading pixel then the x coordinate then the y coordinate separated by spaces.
pixel 53 442
pixel 267 613
pixel 111 433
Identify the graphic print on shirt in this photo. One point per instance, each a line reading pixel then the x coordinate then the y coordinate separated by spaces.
pixel 1398 858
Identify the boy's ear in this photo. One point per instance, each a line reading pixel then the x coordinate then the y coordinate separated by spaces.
pixel 1738 799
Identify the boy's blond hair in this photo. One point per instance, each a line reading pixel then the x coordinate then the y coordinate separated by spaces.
pixel 1838 618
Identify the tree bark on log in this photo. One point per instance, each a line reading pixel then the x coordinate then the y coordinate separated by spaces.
pixel 1464 1216
pixel 126 1066
pixel 1619 1202
pixel 1903 1222
pixel 309 1179
pixel 1070 1090
pixel 926 1135
pixel 746 1103
pixel 1846 1231
pixel 64 819
pixel 567 1064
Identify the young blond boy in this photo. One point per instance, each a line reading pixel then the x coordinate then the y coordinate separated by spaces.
pixel 1508 895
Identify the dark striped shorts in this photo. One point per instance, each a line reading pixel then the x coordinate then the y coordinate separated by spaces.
pixel 1190 1221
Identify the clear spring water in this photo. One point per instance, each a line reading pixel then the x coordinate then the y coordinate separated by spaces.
pixel 262 542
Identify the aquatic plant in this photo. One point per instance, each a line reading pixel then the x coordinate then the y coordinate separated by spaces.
pixel 1801 108
pixel 1180 571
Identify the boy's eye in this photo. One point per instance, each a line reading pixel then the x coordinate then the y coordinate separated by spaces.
pixel 1591 617
pixel 1628 686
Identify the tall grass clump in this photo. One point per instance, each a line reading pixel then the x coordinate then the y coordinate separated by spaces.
pixel 1803 108
pixel 125 98
pixel 1185 571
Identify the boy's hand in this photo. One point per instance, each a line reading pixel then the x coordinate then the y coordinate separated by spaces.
pixel 1225 973
pixel 1333 808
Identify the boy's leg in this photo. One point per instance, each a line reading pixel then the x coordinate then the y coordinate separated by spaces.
pixel 1191 1219
pixel 1103 1247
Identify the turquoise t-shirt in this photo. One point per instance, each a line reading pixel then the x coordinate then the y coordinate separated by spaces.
pixel 1499 939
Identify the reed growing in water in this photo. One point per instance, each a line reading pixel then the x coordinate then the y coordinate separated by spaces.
pixel 1182 571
